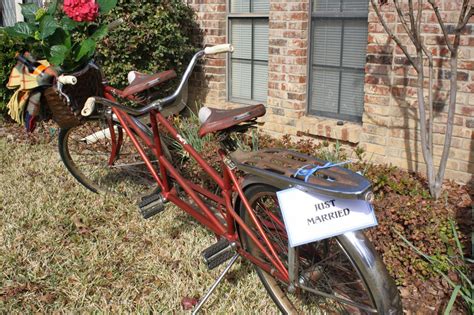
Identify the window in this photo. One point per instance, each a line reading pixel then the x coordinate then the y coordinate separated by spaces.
pixel 248 64
pixel 339 43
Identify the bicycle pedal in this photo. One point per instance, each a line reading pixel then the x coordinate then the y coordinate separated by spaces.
pixel 218 253
pixel 152 205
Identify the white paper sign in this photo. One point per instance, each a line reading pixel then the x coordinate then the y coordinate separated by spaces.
pixel 312 217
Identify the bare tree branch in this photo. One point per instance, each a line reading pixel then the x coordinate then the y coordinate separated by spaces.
pixel 410 14
pixel 463 11
pixel 418 19
pixel 430 105
pixel 466 18
pixel 462 17
pixel 441 23
pixel 395 38
pixel 403 21
pixel 415 25
pixel 425 136
pixel 449 125
pixel 423 48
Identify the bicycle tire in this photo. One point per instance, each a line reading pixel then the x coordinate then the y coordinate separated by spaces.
pixel 88 162
pixel 323 266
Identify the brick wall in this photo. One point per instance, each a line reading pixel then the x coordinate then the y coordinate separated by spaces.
pixel 287 65
pixel 389 131
pixel 208 81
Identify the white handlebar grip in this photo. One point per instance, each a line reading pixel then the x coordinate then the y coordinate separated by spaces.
pixel 88 107
pixel 218 49
pixel 67 79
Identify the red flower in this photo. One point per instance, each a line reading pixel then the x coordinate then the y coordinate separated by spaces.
pixel 81 10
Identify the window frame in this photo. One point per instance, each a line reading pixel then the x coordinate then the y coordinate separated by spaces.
pixel 327 15
pixel 247 15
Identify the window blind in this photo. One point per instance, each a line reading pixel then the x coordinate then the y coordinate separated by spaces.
pixel 241 85
pixel 355 43
pixel 327 42
pixel 260 40
pixel 249 6
pixel 355 5
pixel 325 89
pixel 340 6
pixel 326 5
pixel 240 6
pixel 249 62
pixel 260 6
pixel 339 41
pixel 241 34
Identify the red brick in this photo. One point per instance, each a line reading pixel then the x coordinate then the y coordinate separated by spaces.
pixel 277 25
pixel 299 16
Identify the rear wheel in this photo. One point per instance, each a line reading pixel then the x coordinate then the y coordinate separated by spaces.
pixel 86 151
pixel 342 274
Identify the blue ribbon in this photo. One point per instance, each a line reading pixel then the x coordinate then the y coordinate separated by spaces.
pixel 307 172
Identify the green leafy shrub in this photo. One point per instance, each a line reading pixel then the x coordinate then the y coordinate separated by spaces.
pixel 8 48
pixel 155 36
pixel 50 33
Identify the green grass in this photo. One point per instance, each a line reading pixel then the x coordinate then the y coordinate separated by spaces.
pixel 65 249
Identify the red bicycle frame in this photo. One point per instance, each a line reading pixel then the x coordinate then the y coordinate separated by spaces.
pixel 228 183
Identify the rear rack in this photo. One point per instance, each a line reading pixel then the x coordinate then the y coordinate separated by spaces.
pixel 279 167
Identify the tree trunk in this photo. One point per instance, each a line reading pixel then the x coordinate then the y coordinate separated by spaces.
pixel 425 143
pixel 449 125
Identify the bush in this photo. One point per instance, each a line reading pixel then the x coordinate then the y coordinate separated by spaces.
pixel 155 36
pixel 8 49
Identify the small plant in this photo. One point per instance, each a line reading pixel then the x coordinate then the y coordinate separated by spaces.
pixel 456 262
pixel 332 153
pixel 360 153
pixel 188 128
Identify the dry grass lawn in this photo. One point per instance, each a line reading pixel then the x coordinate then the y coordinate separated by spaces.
pixel 63 248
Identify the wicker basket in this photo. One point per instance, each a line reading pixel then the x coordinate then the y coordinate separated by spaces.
pixel 89 83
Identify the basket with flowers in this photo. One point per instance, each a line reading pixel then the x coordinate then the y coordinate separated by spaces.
pixel 65 34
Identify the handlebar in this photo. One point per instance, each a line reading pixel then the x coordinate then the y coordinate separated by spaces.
pixel 159 104
pixel 218 49
pixel 67 79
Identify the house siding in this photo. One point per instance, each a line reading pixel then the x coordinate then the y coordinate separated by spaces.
pixel 389 131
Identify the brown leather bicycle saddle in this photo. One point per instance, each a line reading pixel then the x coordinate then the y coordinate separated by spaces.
pixel 213 119
pixel 144 82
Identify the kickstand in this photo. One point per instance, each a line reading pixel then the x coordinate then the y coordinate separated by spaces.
pixel 214 286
